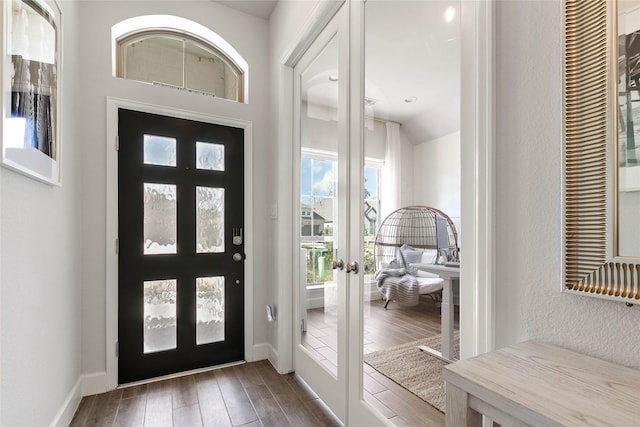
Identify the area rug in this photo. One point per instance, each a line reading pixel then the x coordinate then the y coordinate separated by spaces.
pixel 413 369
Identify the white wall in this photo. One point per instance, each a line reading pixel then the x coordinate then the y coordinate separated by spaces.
pixel 285 29
pixel 248 35
pixel 436 174
pixel 40 261
pixel 528 201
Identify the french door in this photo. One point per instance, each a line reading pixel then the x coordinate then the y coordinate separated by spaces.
pixel 329 194
pixel 181 248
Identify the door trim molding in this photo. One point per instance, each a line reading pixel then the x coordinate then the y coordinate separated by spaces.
pixel 284 237
pixel 111 276
pixel 477 308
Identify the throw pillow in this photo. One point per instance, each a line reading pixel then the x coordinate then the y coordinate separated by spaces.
pixel 410 256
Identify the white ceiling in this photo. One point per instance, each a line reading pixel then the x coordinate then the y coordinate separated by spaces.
pixel 260 8
pixel 410 51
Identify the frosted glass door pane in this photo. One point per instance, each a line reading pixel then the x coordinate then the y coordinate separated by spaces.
pixel 159 315
pixel 159 150
pixel 209 309
pixel 209 219
pixel 160 219
pixel 209 156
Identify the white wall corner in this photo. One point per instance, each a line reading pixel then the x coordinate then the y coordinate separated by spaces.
pixel 94 383
pixel 69 406
pixel 260 351
pixel 274 359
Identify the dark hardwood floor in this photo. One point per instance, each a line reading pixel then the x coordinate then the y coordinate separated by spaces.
pixel 254 394
pixel 395 326
pixel 383 329
pixel 251 395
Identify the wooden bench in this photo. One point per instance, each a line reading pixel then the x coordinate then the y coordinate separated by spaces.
pixel 537 384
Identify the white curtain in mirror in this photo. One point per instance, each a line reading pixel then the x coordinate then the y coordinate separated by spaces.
pixel 392 170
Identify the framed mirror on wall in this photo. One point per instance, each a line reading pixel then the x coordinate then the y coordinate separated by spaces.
pixel 31 55
pixel 601 161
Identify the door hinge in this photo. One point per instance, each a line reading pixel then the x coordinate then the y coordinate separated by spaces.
pixel 117 142
pixel 117 246
pixel 303 326
pixel 117 349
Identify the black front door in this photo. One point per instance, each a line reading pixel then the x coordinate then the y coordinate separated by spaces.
pixel 181 245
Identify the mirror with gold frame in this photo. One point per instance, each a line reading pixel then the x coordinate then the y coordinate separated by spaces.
pixel 601 105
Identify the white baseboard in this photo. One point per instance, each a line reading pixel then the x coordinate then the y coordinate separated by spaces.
pixel 94 383
pixel 68 409
pixel 260 352
pixel 274 358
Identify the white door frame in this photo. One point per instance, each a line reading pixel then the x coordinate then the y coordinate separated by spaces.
pixel 359 411
pixel 477 180
pixel 113 104
pixel 477 310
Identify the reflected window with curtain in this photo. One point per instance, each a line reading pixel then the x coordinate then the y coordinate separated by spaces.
pixel 33 74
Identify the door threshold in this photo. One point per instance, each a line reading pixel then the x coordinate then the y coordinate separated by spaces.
pixel 180 374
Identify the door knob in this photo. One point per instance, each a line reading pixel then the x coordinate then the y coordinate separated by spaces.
pixel 337 263
pixel 237 257
pixel 352 266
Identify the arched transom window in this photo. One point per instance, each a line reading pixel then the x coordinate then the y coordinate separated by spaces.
pixel 184 55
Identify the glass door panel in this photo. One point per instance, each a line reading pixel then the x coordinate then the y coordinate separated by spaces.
pixel 160 322
pixel 209 309
pixel 408 109
pixel 321 177
pixel 160 219
pixel 319 200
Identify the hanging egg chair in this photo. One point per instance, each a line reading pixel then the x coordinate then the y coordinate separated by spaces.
pixel 415 226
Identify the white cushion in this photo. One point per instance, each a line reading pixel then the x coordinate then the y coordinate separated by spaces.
pixel 429 285
pixel 428 256
pixel 427 274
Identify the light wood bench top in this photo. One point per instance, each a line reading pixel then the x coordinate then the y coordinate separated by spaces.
pixel 541 384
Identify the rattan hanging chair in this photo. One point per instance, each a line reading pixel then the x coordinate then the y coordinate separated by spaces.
pixel 414 226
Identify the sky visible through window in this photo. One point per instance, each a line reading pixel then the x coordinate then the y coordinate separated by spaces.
pixel 317 180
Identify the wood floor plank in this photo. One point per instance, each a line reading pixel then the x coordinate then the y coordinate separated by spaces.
pixel 137 390
pixel 158 388
pixel 371 385
pixel 184 391
pixel 329 354
pixel 301 388
pixel 381 407
pixel 159 410
pixel 104 409
pixel 83 411
pixel 187 416
pixel 212 405
pixel 288 399
pixel 248 374
pixel 266 406
pixel 325 417
pixel 238 405
pixel 413 416
pixel 131 412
